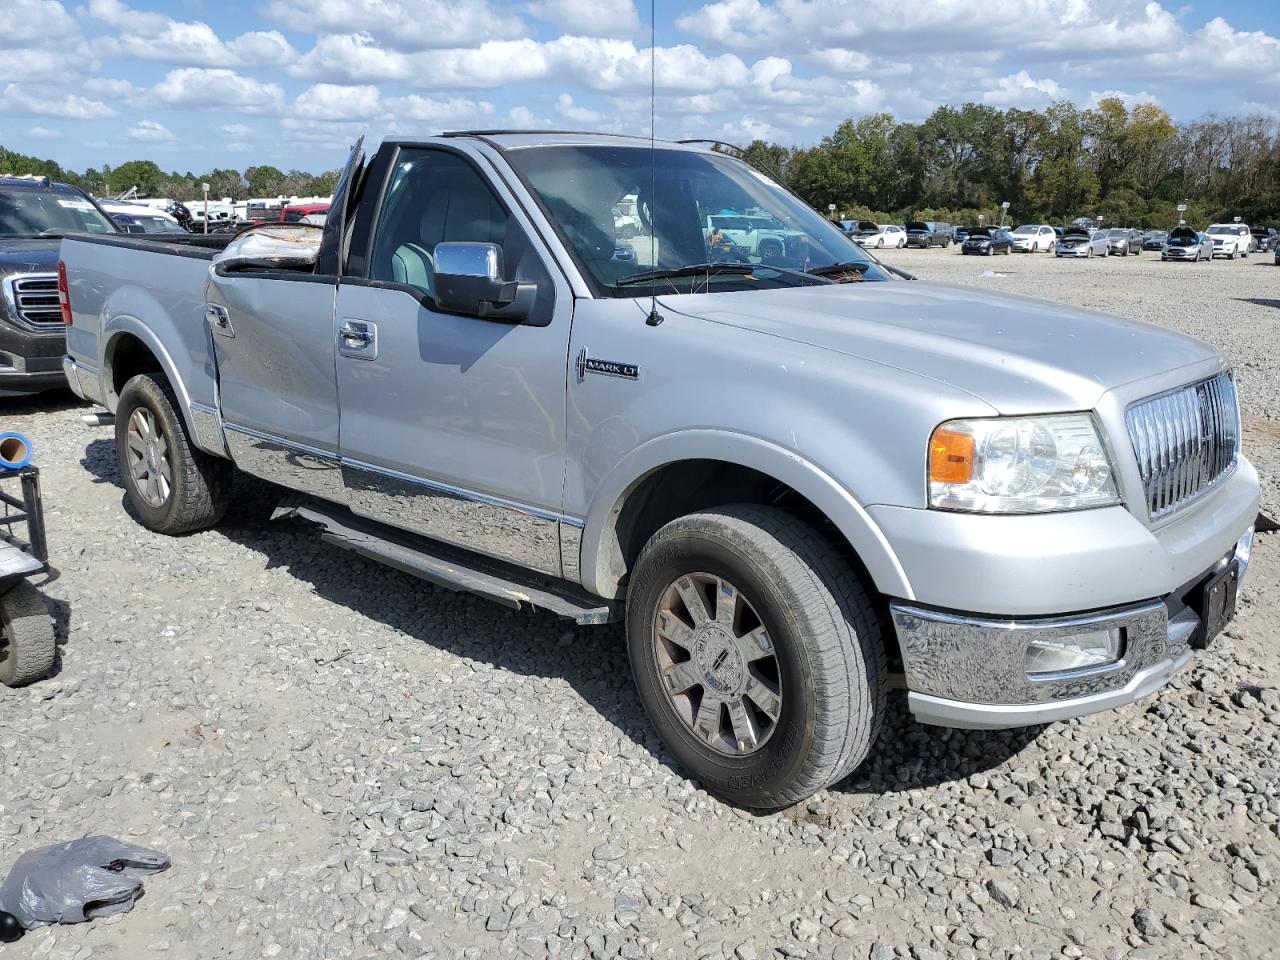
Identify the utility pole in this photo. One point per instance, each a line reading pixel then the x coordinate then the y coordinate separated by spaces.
pixel 205 188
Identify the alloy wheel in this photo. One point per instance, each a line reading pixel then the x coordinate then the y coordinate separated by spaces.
pixel 149 464
pixel 717 663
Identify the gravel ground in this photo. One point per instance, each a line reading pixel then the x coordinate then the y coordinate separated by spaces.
pixel 343 761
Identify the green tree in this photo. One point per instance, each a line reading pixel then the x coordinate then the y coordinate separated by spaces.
pixel 263 181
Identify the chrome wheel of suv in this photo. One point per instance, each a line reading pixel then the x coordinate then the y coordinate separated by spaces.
pixel 718 664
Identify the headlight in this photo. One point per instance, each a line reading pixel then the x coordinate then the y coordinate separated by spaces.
pixel 1020 465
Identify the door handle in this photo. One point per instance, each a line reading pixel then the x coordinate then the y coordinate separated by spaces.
pixel 358 339
pixel 219 319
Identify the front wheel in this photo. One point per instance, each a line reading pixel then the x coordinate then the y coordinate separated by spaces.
pixel 756 653
pixel 173 487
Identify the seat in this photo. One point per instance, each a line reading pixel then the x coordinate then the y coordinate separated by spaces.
pixel 413 264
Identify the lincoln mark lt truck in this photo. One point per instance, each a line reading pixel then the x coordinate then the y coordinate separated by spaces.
pixel 798 477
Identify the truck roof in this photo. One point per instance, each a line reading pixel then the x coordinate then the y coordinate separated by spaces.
pixel 517 139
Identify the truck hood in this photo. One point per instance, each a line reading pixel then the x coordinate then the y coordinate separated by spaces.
pixel 1018 354
pixel 27 256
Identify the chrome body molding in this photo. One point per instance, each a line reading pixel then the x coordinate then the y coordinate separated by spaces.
pixel 571 531
pixel 84 380
pixel 304 469
pixel 510 531
pixel 207 426
pixel 983 660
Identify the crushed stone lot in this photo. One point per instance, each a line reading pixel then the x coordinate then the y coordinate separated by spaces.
pixel 343 761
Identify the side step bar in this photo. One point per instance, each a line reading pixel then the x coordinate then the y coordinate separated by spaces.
pixel 452 567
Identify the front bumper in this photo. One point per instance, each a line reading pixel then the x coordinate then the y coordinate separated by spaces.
pixel 1082 251
pixel 971 671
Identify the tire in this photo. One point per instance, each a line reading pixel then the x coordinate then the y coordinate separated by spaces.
pixel 27 645
pixel 880 242
pixel 770 248
pixel 991 251
pixel 825 660
pixel 198 485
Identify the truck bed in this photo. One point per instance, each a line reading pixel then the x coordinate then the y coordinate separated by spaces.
pixel 198 245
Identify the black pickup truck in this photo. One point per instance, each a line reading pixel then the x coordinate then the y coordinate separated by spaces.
pixel 34 214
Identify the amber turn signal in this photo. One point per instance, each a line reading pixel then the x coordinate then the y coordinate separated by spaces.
pixel 950 456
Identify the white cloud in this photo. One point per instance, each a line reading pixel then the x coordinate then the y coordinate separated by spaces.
pixel 1022 90
pixel 144 35
pixel 22 101
pixel 149 131
pixel 450 111
pixel 331 101
pixel 41 24
pixel 1128 99
pixel 406 25
pixel 237 131
pixel 578 114
pixel 43 133
pixel 590 18
pixel 195 87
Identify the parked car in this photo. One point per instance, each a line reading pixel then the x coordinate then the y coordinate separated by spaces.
pixel 1082 242
pixel 755 235
pixel 958 234
pixel 987 241
pixel 135 218
pixel 294 213
pixel 885 235
pixel 1122 241
pixel 775 481
pixel 928 233
pixel 1230 240
pixel 34 214
pixel 1264 238
pixel 1154 239
pixel 1033 237
pixel 1184 243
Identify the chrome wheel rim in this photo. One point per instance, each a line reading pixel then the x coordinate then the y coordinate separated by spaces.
pixel 717 664
pixel 149 465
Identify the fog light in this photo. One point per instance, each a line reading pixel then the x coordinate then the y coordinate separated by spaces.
pixel 1075 651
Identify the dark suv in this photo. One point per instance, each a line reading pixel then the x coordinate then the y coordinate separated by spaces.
pixel 34 214
pixel 928 233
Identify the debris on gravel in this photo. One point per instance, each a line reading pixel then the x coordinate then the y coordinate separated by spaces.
pixel 345 762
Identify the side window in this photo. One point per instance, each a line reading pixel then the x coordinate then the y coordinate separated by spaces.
pixel 436 197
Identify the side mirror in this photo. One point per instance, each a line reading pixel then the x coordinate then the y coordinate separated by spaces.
pixel 468 279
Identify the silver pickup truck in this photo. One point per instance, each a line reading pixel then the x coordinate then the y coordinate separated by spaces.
pixel 800 478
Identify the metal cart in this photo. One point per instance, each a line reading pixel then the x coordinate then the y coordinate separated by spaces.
pixel 26 628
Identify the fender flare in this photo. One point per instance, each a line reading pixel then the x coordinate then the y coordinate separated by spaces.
pixel 838 504
pixel 122 324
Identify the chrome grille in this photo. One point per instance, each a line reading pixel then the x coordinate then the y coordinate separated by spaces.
pixel 32 299
pixel 1185 441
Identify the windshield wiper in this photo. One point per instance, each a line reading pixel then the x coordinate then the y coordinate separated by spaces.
pixel 857 266
pixel 689 270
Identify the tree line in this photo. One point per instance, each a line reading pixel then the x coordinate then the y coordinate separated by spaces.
pixel 1132 166
pixel 151 181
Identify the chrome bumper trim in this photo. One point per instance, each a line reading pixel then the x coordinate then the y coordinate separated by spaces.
pixel 998 716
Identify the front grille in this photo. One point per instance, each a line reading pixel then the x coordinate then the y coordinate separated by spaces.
pixel 1185 441
pixel 32 299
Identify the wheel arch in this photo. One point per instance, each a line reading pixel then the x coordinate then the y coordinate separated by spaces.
pixel 130 348
pixel 677 474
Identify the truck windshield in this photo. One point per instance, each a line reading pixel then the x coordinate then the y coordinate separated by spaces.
pixel 40 213
pixel 690 208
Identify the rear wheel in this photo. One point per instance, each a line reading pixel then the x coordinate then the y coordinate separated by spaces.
pixel 27 645
pixel 174 487
pixel 756 654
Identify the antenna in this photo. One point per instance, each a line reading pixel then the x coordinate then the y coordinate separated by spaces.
pixel 654 317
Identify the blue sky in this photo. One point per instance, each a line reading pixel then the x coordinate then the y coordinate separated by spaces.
pixel 194 84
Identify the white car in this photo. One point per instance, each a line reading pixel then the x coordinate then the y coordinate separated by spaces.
pixel 1230 240
pixel 886 235
pixel 1034 237
pixel 1082 242
pixel 148 218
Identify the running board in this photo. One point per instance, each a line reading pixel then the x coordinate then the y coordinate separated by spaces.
pixel 452 567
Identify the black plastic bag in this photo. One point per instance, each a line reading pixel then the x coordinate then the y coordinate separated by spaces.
pixel 77 881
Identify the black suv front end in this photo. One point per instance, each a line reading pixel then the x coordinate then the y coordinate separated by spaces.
pixel 35 213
